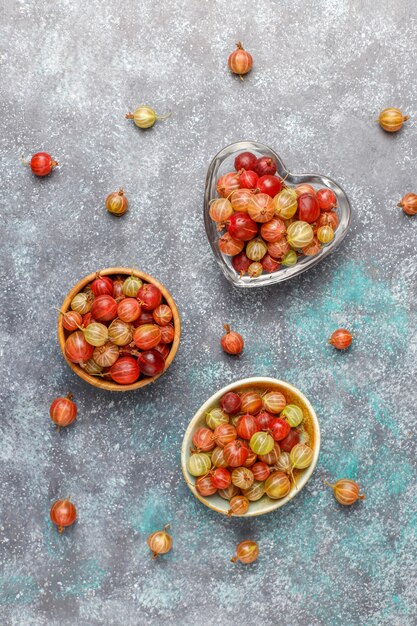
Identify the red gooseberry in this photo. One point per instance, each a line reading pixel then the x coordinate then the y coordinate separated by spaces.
pixel 151 362
pixel 240 61
pixel 125 371
pixel 269 264
pixel 289 441
pixel 241 263
pixel 104 308
pixel 248 179
pixel 235 453
pixel 71 320
pixel 278 249
pixel 270 185
pixel 245 161
pixel 308 208
pixel 265 420
pixel 273 230
pixel 232 342
pixel 162 314
pixel 230 403
pixel 251 459
pixel 167 333
pixel 63 411
pixel 241 226
pixel 265 166
pixel 77 349
pixel 221 478
pixel 224 434
pixel 42 164
pixel 326 199
pixel 118 287
pixel 280 429
pixel 63 513
pixel 203 440
pixel 260 471
pixel 102 285
pixel 128 309
pixel 163 349
pixel 147 336
pixel 230 246
pixel 341 339
pixel 149 296
pixel 205 486
pixel 305 188
pixel 145 317
pixel 251 402
pixel 246 426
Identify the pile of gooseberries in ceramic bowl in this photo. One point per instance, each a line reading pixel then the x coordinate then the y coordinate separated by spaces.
pixel 119 329
pixel 265 224
pixel 251 447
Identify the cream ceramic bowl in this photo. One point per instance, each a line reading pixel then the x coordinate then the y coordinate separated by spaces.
pixel 311 424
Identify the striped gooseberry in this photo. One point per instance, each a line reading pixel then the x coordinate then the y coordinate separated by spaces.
pixel 314 247
pixel 241 263
pixel 280 429
pixel 255 491
pixel 198 464
pixel 227 183
pixel 260 471
pixel 63 514
pixel 289 259
pixel 162 314
pixel 167 333
pixel 392 119
pixel 409 204
pixel 151 362
pixel 102 285
pixel 42 164
pixel 283 463
pixel 270 264
pixel 82 303
pixel 96 334
pixel 265 165
pixel 246 426
pixel 224 434
pixel 63 411
pixel 328 219
pixel 71 320
pixel 251 402
pixel 248 179
pixel 325 234
pixel 230 403
pixel 277 485
pixel 128 310
pixel 232 342
pixel 117 287
pixel 326 199
pixel 305 188
pixel 293 414
pixel 261 208
pixel 217 457
pixel 215 417
pixel 117 203
pixel 241 226
pixel 107 355
pixel 221 477
pixel 125 371
pixel 240 61
pixel 240 200
pixel 274 401
pixel 299 234
pixel 104 308
pixel 230 492
pixel 147 336
pixel 270 185
pixel 255 269
pixel 301 456
pixel 246 552
pixel 285 204
pixel 251 459
pixel 288 443
pixel 272 457
pixel 341 339
pixel 308 208
pixel 261 443
pixel 160 542
pixel 265 420
pixel 238 505
pixel 242 477
pixel 346 491
pixel 278 249
pixel 256 249
pixel 149 296
pixel 220 211
pixel 205 486
pixel 121 333
pixel 131 286
pixel 273 230
pixel 163 349
pixel 230 246
pixel 77 349
pixel 245 161
pixel 235 453
pixel 203 439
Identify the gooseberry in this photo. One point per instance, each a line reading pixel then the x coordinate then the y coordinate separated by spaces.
pixel 107 355
pixel 149 296
pixel 227 183
pixel 63 411
pixel 77 349
pixel 125 371
pixel 220 211
pixel 131 286
pixel 232 342
pixel 215 417
pixel 205 486
pixel 102 285
pixel 235 453
pixel 274 401
pixel 273 230
pixel 129 309
pixel 145 117
pixel 240 61
pixel 245 161
pixel 162 314
pixel 63 513
pixel 71 320
pixel 230 492
pixel 261 443
pixel 277 485
pixel 255 492
pixel 198 464
pixel 305 188
pixel 314 247
pixel 301 456
pixel 269 264
pixel 391 119
pixel 308 208
pixel 241 226
pixel 280 429
pixel 241 263
pixel 341 339
pixel 255 269
pixel 326 199
pixel 117 203
pixel 283 463
pixel 285 204
pixel 270 185
pixel 293 414
pixel 96 334
pixel 409 204
pixel 223 434
pixel 272 457
pixel 121 333
pixel 346 491
pixel 221 477
pixel 251 402
pixel 240 199
pixel 278 249
pixel 299 234
pixel 230 402
pixel 230 246
pixel 147 336
pixel 248 179
pixel 167 333
pixel 242 477
pixel 151 363
pixel 328 219
pixel 217 458
pixel 256 249
pixel 265 166
pixel 260 471
pixel 246 426
pixel 288 443
pixel 81 303
pixel 265 420
pixel 160 542
pixel 261 208
pixel 42 164
pixel 325 234
pixel 104 308
pixel 238 505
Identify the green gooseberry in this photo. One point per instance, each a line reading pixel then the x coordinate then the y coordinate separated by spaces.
pixel 199 464
pixel 261 443
pixel 290 258
pixel 215 417
pixel 293 414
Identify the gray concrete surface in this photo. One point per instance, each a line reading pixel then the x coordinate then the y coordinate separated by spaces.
pixel 323 70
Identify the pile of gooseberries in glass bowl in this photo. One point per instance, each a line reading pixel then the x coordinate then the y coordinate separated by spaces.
pixel 119 329
pixel 264 222
pixel 251 447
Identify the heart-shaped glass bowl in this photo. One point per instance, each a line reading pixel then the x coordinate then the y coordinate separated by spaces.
pixel 222 163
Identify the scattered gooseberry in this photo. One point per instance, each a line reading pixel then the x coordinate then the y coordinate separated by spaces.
pixel 160 542
pixel 391 119
pixel 145 117
pixel 341 339
pixel 232 342
pixel 346 491
pixel 409 204
pixel 63 411
pixel 117 203
pixel 63 513
pixel 42 164
pixel 240 61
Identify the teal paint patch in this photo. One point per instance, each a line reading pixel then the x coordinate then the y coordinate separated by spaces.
pixel 150 512
pixel 18 590
pixel 381 413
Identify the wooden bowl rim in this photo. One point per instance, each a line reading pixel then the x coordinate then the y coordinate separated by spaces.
pixel 256 380
pixel 96 381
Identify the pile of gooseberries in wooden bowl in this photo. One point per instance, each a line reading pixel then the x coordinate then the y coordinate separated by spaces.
pixel 119 329
pixel 251 447
pixel 266 224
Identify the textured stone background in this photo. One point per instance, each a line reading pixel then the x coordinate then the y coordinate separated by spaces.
pixel 323 70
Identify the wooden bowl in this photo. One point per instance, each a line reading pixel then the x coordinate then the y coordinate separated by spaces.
pixel 63 334
pixel 311 424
